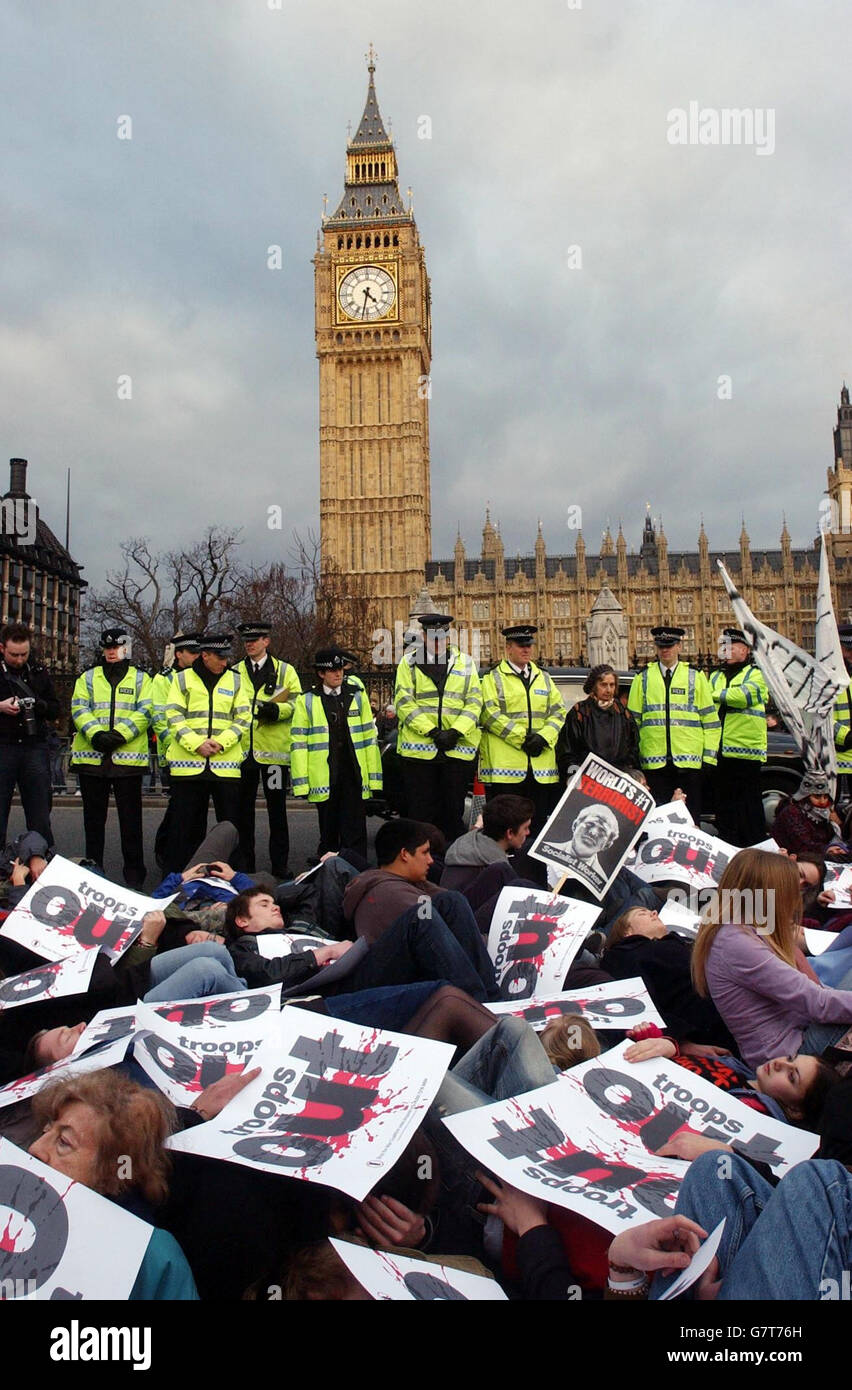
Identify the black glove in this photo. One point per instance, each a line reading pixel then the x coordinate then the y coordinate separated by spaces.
pixel 267 713
pixel 445 738
pixel 106 740
pixel 534 744
pixel 847 742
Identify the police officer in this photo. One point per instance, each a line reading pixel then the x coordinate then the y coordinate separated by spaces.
pixel 678 727
pixel 111 710
pixel 27 704
pixel 843 720
pixel 273 686
pixel 334 754
pixel 185 649
pixel 740 694
pixel 438 701
pixel 209 712
pixel 522 713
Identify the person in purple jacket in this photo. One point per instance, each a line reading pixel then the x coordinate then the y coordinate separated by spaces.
pixel 745 959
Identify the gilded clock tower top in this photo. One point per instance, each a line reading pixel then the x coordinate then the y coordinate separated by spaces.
pixel 371 191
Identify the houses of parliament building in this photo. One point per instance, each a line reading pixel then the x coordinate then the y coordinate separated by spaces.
pixel 373 336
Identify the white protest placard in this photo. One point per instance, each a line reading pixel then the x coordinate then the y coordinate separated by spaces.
pixel 336 1103
pixel 818 941
pixel 771 846
pixel 108 1026
pixel 656 1099
pixel 682 855
pixel 182 1061
pixel 391 1276
pixel 679 918
pixel 109 1055
pixel 218 1010
pixel 533 938
pixel 697 1265
pixel 276 945
pixel 670 813
pixel 61 1240
pixel 556 1144
pixel 839 880
pixel 53 981
pixel 594 1147
pixel 618 1004
pixel 70 909
pixel 595 825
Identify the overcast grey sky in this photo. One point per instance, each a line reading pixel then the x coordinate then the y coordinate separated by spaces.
pixel 552 386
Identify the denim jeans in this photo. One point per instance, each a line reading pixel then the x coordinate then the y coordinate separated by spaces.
pixel 438 941
pixel 835 964
pixel 27 765
pixel 389 1006
pixel 192 972
pixel 779 1242
pixel 508 1061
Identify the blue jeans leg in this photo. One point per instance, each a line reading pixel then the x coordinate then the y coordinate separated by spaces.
pixel 779 1243
pixel 192 972
pixel 507 1061
pixel 456 913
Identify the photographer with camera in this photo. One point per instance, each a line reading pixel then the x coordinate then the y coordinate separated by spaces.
pixel 27 703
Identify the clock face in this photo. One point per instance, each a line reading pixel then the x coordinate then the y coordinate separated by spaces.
pixel 367 293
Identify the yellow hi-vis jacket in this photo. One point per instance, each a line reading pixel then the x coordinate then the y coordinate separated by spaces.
pixel 270 742
pixel 196 714
pixel 510 711
pixel 684 719
pixel 420 706
pixel 842 726
pixel 743 700
pixel 309 772
pixel 159 718
pixel 99 707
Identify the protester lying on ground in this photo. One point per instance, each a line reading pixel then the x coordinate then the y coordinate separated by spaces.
pixel 401 1216
pixel 41 1033
pixel 640 944
pixel 21 863
pixel 546 1273
pixel 748 967
pixel 569 1040
pixel 807 823
pixel 103 1131
pixel 791 1089
pixel 415 955
pixel 791 1242
pixel 506 821
pixel 398 894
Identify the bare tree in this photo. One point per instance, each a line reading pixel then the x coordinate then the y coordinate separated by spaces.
pixel 308 605
pixel 153 596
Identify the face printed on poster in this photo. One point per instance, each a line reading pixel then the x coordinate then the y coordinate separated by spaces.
pixel 595 825
pixel 611 1006
pixel 60 1240
pixel 386 1275
pixel 54 981
pixel 336 1103
pixel 533 938
pixel 69 909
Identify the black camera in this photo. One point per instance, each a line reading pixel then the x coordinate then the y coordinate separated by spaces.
pixel 26 705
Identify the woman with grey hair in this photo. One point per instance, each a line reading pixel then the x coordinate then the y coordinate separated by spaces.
pixel 600 724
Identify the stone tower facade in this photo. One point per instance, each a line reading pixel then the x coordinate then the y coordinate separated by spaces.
pixel 373 341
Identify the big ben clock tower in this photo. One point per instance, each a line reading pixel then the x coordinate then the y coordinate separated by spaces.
pixel 373 337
